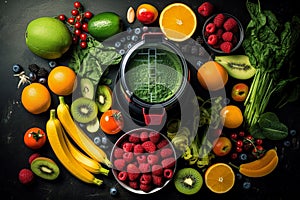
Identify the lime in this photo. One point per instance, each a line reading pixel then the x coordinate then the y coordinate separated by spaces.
pixel 48 37
pixel 105 25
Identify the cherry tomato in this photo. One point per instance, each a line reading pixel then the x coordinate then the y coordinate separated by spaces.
pixel 111 121
pixel 35 138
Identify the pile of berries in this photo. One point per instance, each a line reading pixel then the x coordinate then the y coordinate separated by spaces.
pixel 245 145
pixel 222 32
pixel 78 24
pixel 143 160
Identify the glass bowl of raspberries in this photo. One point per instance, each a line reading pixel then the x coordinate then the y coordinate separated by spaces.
pixel 144 160
pixel 223 33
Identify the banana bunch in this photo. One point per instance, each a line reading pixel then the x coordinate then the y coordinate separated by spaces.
pixel 78 135
pixel 73 162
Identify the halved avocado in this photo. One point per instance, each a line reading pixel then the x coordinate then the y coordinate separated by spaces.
pixel 103 98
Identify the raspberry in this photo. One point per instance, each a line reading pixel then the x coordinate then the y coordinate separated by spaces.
pixel 128 157
pixel 141 159
pixel 144 167
pixel 134 138
pixel 168 173
pixel 212 39
pixel 154 137
pixel 157 170
pixel 133 184
pixel 219 33
pixel 157 180
pixel 145 188
pixel 149 146
pixel 144 136
pixel 26 176
pixel 226 47
pixel 118 153
pixel 162 144
pixel 205 9
pixel 122 176
pixel 32 157
pixel 119 164
pixel 168 162
pixel 210 28
pixel 166 152
pixel 138 149
pixel 152 159
pixel 230 24
pixel 219 20
pixel 133 172
pixel 227 36
pixel 128 146
pixel 146 179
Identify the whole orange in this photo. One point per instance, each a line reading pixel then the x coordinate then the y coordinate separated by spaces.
pixel 231 116
pixel 36 98
pixel 212 76
pixel 62 80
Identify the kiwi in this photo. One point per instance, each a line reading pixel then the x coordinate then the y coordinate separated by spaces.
pixel 188 181
pixel 45 168
pixel 103 98
pixel 93 126
pixel 84 110
pixel 87 88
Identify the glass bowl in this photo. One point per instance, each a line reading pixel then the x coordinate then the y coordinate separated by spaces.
pixel 235 37
pixel 124 149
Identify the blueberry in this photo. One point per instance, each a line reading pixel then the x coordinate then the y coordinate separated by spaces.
pixel 113 191
pixel 287 143
pixel 52 64
pixel 42 80
pixel 97 140
pixel 32 76
pixel 239 176
pixel 226 101
pixel 247 185
pixel 104 140
pixel 17 68
pixel 243 156
pixel 293 132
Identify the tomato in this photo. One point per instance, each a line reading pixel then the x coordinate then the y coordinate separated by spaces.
pixel 222 146
pixel 35 138
pixel 111 121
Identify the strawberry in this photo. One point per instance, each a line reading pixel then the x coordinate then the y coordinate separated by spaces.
pixel 144 167
pixel 118 153
pixel 128 146
pixel 119 164
pixel 149 146
pixel 157 180
pixel 145 179
pixel 152 159
pixel 206 9
pixel 134 138
pixel 144 136
pixel 122 176
pixel 128 157
pixel 157 170
pixel 226 47
pixel 133 172
pixel 133 184
pixel 145 188
pixel 168 173
pixel 138 149
pixel 162 144
pixel 154 137
pixel 166 152
pixel 212 39
pixel 168 162
pixel 230 24
pixel 219 20
pixel 227 36
pixel 141 159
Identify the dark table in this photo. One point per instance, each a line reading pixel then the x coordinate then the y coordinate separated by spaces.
pixel 15 14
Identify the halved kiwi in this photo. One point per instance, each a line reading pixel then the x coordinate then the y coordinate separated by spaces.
pixel 103 98
pixel 188 181
pixel 93 126
pixel 87 88
pixel 45 168
pixel 84 110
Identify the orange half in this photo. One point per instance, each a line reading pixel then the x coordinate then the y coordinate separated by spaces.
pixel 178 22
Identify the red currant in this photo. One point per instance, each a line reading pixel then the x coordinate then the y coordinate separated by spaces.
pixel 239 149
pixel 239 143
pixel 75 39
pixel 78 18
pixel 84 27
pixel 259 141
pixel 83 44
pixel 74 12
pixel 249 138
pixel 77 4
pixel 77 25
pixel 234 156
pixel 88 15
pixel 241 133
pixel 62 17
pixel 71 20
pixel 233 136
pixel 77 32
pixel 83 36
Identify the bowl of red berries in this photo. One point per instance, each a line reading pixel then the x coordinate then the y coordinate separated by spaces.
pixel 223 33
pixel 144 160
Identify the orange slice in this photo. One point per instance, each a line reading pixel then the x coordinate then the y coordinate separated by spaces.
pixel 219 178
pixel 178 22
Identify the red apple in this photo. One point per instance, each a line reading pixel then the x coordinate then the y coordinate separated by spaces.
pixel 239 92
pixel 222 146
pixel 146 13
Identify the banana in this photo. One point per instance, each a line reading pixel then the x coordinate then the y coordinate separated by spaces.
pixel 260 167
pixel 87 162
pixel 78 135
pixel 57 142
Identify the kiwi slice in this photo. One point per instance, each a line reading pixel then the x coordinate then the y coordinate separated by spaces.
pixel 45 168
pixel 84 110
pixel 87 88
pixel 188 181
pixel 93 126
pixel 103 98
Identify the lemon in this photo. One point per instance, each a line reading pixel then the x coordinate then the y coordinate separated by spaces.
pixel 105 25
pixel 48 37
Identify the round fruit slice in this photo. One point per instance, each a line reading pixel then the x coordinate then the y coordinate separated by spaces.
pixel 178 22
pixel 219 178
pixel 103 98
pixel 84 110
pixel 188 181
pixel 45 168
